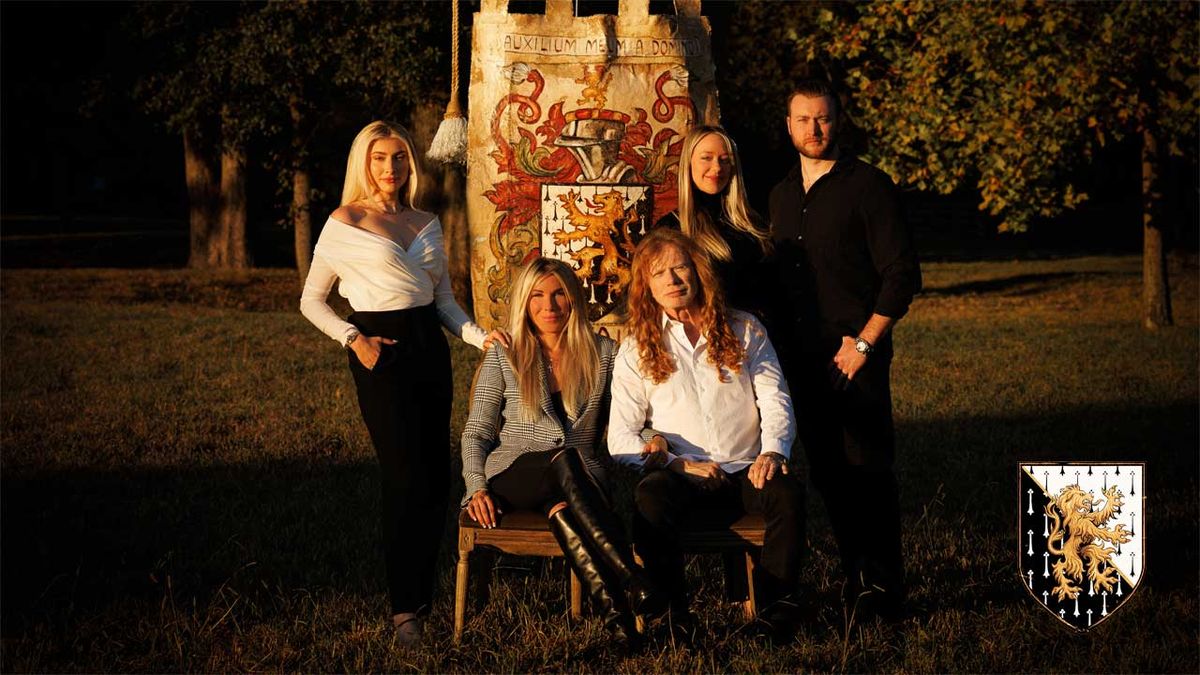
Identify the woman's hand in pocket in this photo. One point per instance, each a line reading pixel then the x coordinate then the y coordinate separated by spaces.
pixel 367 349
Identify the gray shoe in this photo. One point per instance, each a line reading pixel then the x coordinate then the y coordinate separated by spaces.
pixel 409 631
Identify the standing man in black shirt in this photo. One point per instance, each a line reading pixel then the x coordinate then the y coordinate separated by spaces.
pixel 849 271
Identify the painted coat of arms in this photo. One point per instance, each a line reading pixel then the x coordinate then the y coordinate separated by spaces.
pixel 574 138
pixel 1082 537
pixel 583 185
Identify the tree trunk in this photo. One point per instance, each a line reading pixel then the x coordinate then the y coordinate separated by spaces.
pixel 1156 292
pixel 234 250
pixel 200 173
pixel 301 191
pixel 302 219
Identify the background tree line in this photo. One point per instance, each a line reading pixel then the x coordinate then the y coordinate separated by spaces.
pixel 1011 100
pixel 1008 104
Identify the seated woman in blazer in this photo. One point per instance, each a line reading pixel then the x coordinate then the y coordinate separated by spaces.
pixel 530 440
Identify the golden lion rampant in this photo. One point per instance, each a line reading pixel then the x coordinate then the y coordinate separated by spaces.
pixel 599 227
pixel 1076 532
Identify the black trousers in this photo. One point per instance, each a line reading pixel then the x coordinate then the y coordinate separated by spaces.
pixel 527 483
pixel 665 501
pixel 849 439
pixel 405 402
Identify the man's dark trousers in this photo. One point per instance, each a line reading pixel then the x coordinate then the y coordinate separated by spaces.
pixel 849 440
pixel 666 500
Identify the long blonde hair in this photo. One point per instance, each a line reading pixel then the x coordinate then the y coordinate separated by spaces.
pixel 359 183
pixel 580 364
pixel 645 314
pixel 694 222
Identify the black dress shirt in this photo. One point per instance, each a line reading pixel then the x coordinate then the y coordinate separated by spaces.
pixel 844 253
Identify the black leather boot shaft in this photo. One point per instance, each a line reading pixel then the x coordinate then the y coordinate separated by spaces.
pixel 612 608
pixel 604 530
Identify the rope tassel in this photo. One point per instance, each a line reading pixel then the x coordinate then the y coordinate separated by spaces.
pixel 450 142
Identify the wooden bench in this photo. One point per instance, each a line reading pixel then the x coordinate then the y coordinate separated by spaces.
pixel 527 533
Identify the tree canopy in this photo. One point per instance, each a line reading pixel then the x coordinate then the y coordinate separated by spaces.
pixel 1008 98
pixel 235 73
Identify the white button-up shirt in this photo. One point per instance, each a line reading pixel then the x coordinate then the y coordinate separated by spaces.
pixel 703 418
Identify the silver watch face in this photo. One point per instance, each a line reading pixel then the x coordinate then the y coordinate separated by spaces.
pixel 861 346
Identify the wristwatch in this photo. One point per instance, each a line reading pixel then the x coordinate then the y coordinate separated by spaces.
pixel 862 346
pixel 351 338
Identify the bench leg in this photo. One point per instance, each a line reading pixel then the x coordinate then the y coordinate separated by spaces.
pixel 460 594
pixel 576 597
pixel 750 606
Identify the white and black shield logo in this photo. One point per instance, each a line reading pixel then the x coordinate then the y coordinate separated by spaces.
pixel 1082 537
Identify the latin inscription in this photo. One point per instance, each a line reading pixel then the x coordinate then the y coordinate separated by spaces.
pixel 599 46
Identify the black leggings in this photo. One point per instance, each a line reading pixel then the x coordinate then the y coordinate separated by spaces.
pixel 405 403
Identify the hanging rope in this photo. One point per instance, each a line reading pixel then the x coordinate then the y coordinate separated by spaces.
pixel 450 142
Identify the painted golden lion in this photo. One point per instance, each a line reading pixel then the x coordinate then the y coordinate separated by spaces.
pixel 1075 529
pixel 611 216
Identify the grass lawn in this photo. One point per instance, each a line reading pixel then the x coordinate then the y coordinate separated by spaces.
pixel 187 486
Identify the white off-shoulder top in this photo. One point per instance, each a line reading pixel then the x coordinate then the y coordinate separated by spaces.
pixel 378 274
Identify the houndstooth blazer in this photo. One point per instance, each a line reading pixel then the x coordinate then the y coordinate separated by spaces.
pixel 495 435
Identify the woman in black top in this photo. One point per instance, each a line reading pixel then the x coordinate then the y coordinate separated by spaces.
pixel 713 211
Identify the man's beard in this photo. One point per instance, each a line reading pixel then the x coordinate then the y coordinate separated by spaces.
pixel 828 151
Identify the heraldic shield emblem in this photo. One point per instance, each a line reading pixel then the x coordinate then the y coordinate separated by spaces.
pixel 1082 537
pixel 594 229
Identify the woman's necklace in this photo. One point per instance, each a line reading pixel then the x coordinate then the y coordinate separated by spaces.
pixel 552 354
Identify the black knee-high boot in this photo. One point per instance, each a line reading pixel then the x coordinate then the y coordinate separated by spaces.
pixel 612 607
pixel 604 531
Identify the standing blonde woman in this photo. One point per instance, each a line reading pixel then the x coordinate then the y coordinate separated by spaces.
pixel 530 441
pixel 391 263
pixel 714 212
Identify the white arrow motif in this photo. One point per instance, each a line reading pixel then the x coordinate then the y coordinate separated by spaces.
pixel 1091 589
pixel 1030 551
pixel 1030 511
pixel 1045 525
pixel 1062 614
pixel 1046 564
pixel 1029 573
pixel 1076 606
pixel 1104 603
pixel 1089 618
pixel 1119 593
pixel 1045 597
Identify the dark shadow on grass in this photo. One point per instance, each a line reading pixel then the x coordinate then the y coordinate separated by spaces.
pixel 77 543
pixel 1018 285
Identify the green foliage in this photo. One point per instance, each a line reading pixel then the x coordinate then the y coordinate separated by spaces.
pixel 262 68
pixel 1149 52
pixel 186 84
pixel 1006 97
